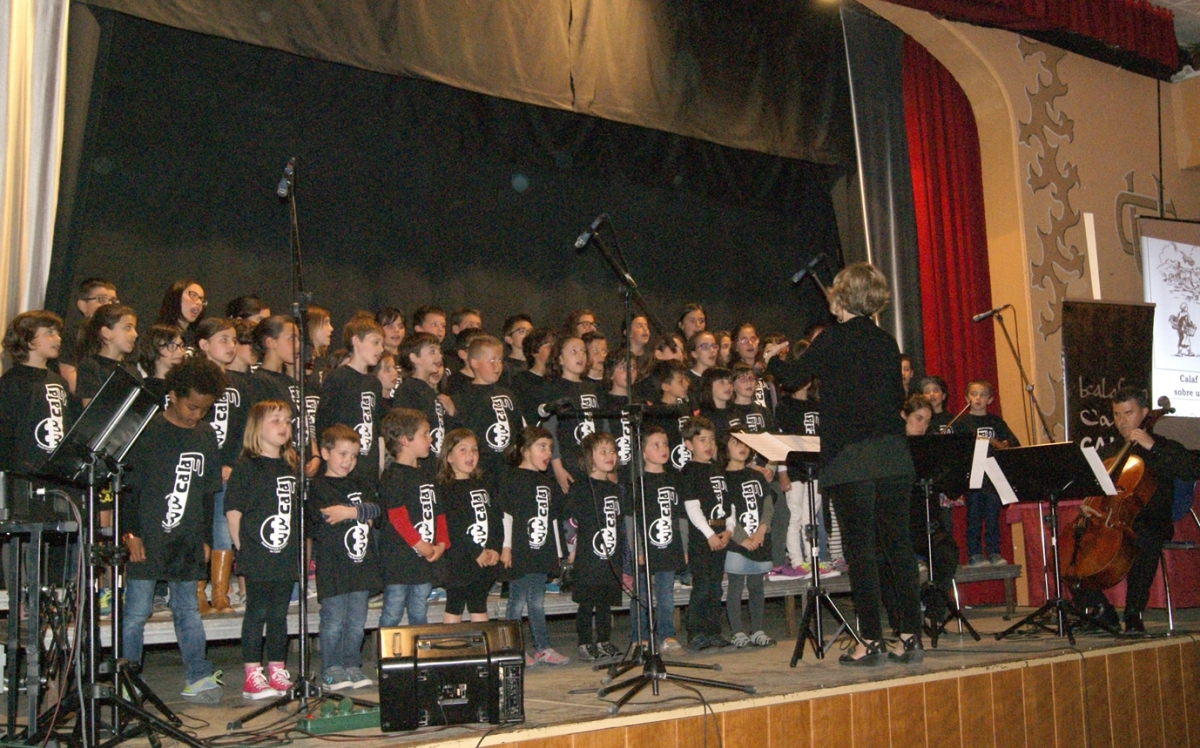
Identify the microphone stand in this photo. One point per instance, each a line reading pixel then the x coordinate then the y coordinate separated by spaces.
pixel 1025 382
pixel 654 668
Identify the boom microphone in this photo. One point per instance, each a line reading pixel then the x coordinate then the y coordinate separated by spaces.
pixel 586 236
pixel 990 313
pixel 799 276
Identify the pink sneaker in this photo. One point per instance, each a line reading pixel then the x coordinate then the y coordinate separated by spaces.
pixel 278 677
pixel 551 657
pixel 256 685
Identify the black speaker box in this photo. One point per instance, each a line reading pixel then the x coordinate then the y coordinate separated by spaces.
pixel 451 674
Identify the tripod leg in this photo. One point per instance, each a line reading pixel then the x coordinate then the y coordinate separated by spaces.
pixel 803 633
pixel 707 682
pixel 133 681
pixel 645 680
pixel 152 724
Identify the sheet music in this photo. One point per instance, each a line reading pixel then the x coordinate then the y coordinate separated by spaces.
pixel 979 463
pixel 992 468
pixel 1101 472
pixel 775 447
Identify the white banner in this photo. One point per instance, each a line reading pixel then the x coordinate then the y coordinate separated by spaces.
pixel 1171 281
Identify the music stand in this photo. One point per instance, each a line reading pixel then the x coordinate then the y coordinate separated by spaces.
pixel 943 463
pixel 816 596
pixel 1051 472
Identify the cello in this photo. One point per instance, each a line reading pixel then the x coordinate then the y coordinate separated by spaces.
pixel 1099 543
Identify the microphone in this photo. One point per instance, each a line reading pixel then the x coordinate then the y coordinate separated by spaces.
pixel 554 407
pixel 586 236
pixel 990 313
pixel 285 184
pixel 807 268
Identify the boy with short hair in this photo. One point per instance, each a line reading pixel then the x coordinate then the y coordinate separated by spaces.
pixel 415 535
pixel 352 395
pixel 532 386
pixel 620 379
pixel 461 378
pixel 983 505
pixel 671 380
pixel 705 498
pixel 34 402
pixel 488 408
pixel 93 294
pixel 516 328
pixel 340 510
pixel 167 508
pixel 420 357
pixel 430 319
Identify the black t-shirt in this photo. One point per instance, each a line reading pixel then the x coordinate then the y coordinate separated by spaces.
pixel 618 426
pixel 531 390
pixel 275 385
pixel 347 557
pixel 940 423
pixel 474 523
pixel 157 387
pixel 987 426
pixel 228 414
pixel 595 508
pixel 535 503
pixel 35 413
pixel 418 395
pixel 578 422
pixel 671 420
pixel 490 412
pixel 68 352
pixel 705 482
pixel 93 371
pixel 410 492
pixel 168 499
pixel 455 383
pixel 748 494
pixel 352 399
pixel 800 417
pixel 752 418
pixel 665 510
pixel 263 489
pixel 720 419
pixel 512 367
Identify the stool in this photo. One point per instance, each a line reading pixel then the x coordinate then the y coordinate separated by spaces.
pixel 1174 545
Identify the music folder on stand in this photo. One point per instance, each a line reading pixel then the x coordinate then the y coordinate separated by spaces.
pixel 943 463
pixel 1052 472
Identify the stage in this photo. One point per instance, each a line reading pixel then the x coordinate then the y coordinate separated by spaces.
pixel 1023 691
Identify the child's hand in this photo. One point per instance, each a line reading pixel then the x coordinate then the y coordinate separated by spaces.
pixel 750 543
pixel 311 467
pixel 425 549
pixel 506 558
pixel 716 541
pixel 767 473
pixel 571 557
pixel 785 483
pixel 485 558
pixel 438 551
pixel 339 513
pixel 137 551
pixel 207 553
pixel 563 477
pixel 447 403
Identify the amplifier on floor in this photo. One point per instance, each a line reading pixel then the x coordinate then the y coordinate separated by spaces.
pixel 451 674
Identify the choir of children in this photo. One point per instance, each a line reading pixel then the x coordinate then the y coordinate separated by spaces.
pixel 419 478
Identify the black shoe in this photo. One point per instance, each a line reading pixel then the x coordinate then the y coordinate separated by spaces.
pixel 719 642
pixel 1134 625
pixel 876 656
pixel 588 652
pixel 608 649
pixel 699 642
pixel 914 651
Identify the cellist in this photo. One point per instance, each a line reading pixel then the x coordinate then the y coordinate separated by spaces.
pixel 1167 460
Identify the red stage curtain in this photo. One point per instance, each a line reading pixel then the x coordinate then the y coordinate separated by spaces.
pixel 1133 26
pixel 943 154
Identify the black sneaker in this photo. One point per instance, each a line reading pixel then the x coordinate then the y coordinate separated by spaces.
pixel 699 642
pixel 1134 625
pixel 608 649
pixel 719 642
pixel 588 652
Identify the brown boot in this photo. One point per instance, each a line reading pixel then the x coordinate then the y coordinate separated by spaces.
pixel 202 599
pixel 222 567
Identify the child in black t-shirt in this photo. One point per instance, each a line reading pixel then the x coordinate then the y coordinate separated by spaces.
pixel 597 353
pixel 261 505
pixel 616 420
pixel 983 505
pixel 109 337
pixel 705 499
pixel 487 408
pixel 716 393
pixel 748 559
pixel 93 294
pixel 532 505
pixel 666 521
pixel 747 414
pixel 166 512
pixel 594 514
pixel 389 379
pixel 217 340
pixel 157 351
pixel 936 392
pixel 474 525
pixel 352 394
pixel 340 510
pixel 34 403
pixel 702 350
pixel 516 328
pixel 532 386
pixel 274 340
pixel 672 408
pixel 415 536
pixel 573 399
pixel 421 360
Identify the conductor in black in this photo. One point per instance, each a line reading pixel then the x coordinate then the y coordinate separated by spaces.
pixel 1168 461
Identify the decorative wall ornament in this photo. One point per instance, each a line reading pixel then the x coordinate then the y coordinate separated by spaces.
pixel 1131 204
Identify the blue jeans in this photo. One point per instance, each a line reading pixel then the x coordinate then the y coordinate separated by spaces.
pixel 221 538
pixel 343 621
pixel 530 590
pixel 664 605
pixel 189 630
pixel 983 507
pixel 398 598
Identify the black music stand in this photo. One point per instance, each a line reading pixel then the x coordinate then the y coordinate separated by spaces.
pixel 816 596
pixel 1051 472
pixel 943 463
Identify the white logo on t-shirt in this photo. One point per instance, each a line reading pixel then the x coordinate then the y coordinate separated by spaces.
pixel 276 529
pixel 189 463
pixel 49 431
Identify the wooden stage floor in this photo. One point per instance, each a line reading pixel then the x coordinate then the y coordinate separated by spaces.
pixel 1023 691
